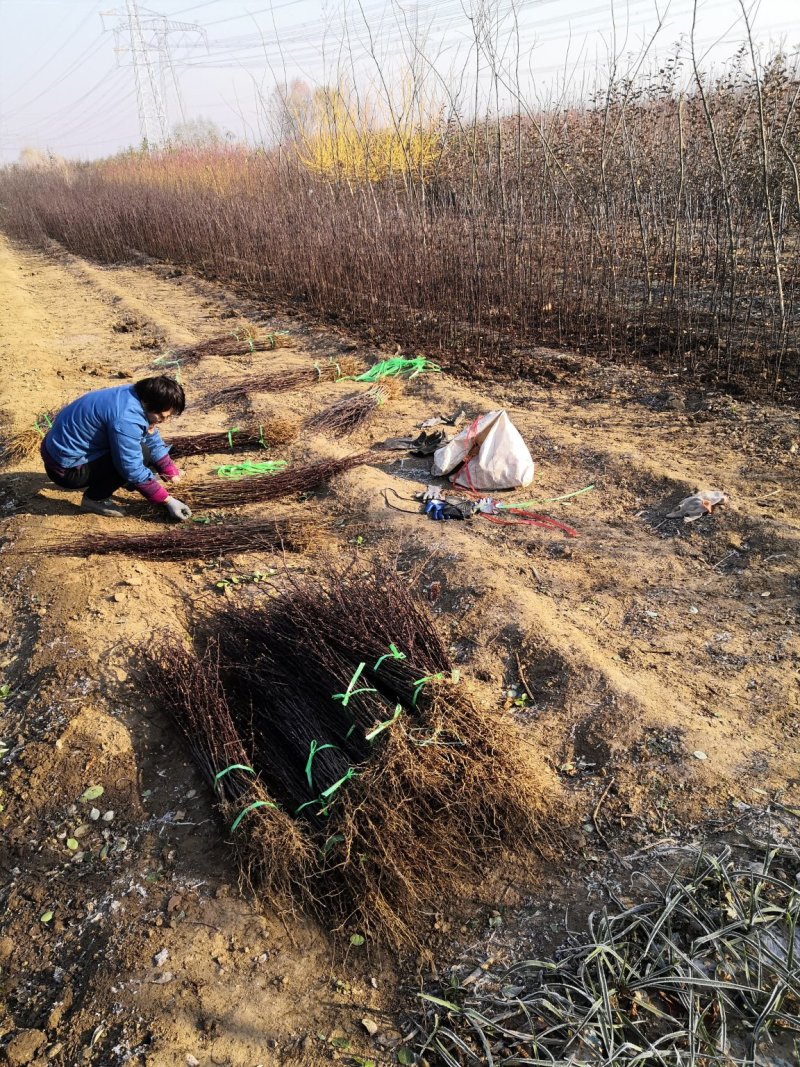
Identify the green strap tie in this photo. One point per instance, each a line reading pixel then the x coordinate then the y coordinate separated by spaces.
pixel 334 839
pixel 164 362
pixel 329 792
pixel 252 807
pixel 231 432
pixel 385 725
pixel 420 683
pixel 261 440
pixel 318 369
pixel 233 767
pixel 351 773
pixel 393 653
pixel 350 691
pixel 313 750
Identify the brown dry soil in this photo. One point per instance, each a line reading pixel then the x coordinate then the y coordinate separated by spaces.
pixel 628 653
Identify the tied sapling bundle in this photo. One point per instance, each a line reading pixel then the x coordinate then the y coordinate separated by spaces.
pixel 272 851
pixel 197 541
pixel 258 489
pixel 277 431
pixel 347 705
pixel 236 343
pixel 346 416
pixel 283 381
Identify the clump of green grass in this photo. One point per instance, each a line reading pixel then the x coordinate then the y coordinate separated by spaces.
pixel 705 970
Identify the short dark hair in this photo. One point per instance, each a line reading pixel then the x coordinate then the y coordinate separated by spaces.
pixel 161 393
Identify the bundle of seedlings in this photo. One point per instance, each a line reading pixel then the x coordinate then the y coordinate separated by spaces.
pixel 346 416
pixel 236 343
pixel 272 851
pixel 256 490
pixel 349 709
pixel 277 431
pixel 196 541
pixel 283 381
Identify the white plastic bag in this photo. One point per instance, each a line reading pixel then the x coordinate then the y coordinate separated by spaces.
pixel 496 455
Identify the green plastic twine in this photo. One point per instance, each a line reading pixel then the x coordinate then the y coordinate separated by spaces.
pixel 318 369
pixel 233 767
pixel 390 368
pixel 163 362
pixel 252 807
pixel 393 653
pixel 385 725
pixel 231 432
pixel 549 500
pixel 350 691
pixel 313 750
pixel 420 683
pixel 248 469
pixel 351 773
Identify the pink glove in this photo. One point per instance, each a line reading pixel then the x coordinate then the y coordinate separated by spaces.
pixel 167 469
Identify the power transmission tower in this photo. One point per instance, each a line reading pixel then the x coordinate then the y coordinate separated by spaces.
pixel 147 41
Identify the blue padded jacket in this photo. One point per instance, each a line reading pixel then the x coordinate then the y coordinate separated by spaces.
pixel 102 422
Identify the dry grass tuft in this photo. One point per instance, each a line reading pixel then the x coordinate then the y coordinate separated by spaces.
pixel 19 446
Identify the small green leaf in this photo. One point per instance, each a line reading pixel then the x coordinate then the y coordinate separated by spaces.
pixel 406 1056
pixel 46 917
pixel 356 939
pixel 340 1042
pixel 72 844
pixel 92 793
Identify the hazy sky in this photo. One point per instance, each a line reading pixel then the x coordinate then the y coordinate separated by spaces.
pixel 67 81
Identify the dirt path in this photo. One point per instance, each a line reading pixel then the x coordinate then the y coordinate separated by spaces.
pixel 626 651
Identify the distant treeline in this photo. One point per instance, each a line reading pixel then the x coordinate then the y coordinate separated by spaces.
pixel 649 224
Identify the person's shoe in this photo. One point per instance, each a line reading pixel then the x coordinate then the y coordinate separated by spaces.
pixel 107 507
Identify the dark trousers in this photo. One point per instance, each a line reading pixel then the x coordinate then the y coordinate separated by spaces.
pixel 99 477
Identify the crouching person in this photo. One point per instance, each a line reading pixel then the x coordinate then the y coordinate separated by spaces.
pixel 108 438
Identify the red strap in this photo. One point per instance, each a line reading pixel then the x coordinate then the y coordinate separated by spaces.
pixel 469 442
pixel 530 518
